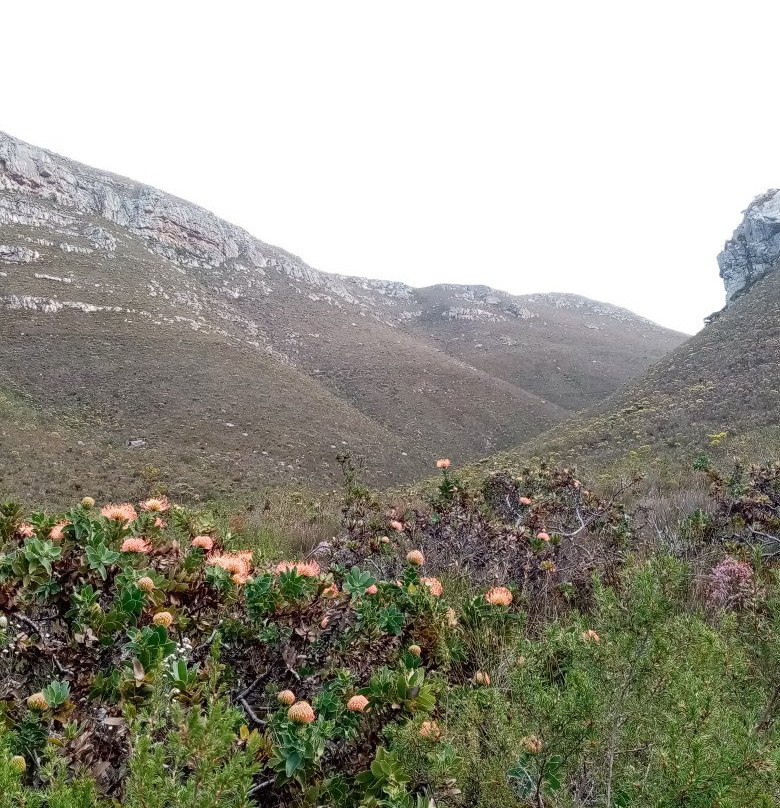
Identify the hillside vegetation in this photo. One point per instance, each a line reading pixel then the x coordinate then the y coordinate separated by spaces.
pixel 524 643
pixel 153 342
pixel 717 393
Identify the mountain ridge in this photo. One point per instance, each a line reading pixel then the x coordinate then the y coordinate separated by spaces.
pixel 93 261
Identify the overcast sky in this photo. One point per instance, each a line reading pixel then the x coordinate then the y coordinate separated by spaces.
pixel 602 148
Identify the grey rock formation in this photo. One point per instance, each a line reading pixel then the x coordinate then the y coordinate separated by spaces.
pixel 754 248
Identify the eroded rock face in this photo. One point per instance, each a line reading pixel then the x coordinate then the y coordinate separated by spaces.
pixel 754 248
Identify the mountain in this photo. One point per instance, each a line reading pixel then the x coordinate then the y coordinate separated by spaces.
pixel 718 393
pixel 145 340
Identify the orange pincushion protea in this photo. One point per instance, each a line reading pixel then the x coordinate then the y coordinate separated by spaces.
pixel 156 505
pixel 310 569
pixel 286 697
pixel 124 513
pixel 146 584
pixel 164 619
pixel 444 463
pixel 430 729
pixel 136 544
pixel 498 596
pixel 236 564
pixel 88 502
pixel 204 542
pixel 415 650
pixel 357 704
pixel 525 500
pixel 415 557
pixel 372 590
pixel 37 702
pixel 396 525
pixel 543 536
pixel 434 586
pixel 55 534
pixel 301 713
pixel 25 530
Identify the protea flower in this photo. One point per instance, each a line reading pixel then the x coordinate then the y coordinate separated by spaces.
pixel 525 500
pixel 415 557
pixel 310 569
pixel 357 704
pixel 18 764
pixel 286 697
pixel 164 619
pixel 136 544
pixel 55 534
pixel 396 525
pixel 434 586
pixel 590 636
pixel 452 618
pixel 444 463
pixel 236 564
pixel 384 540
pixel 204 542
pixel 124 513
pixel 372 590
pixel 542 536
pixel 430 729
pixel 415 650
pixel 37 702
pixel 156 505
pixel 160 524
pixel 25 530
pixel 330 591
pixel 498 596
pixel 146 584
pixel 301 713
pixel 87 503
pixel 531 744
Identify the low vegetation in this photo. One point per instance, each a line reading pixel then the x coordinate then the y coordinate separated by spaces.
pixel 524 642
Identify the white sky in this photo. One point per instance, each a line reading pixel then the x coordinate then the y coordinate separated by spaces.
pixel 602 148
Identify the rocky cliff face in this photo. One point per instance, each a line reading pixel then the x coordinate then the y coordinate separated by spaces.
pixel 755 246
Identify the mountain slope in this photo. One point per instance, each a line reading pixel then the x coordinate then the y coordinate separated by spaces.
pixel 143 338
pixel 718 393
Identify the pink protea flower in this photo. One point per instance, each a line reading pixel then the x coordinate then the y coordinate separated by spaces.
pixel 430 729
pixel 136 544
pixel 434 586
pixel 164 619
pixel 372 590
pixel 525 500
pixel 160 524
pixel 155 505
pixel 325 622
pixel 55 534
pixel 543 536
pixel 590 636
pixel 357 704
pixel 396 525
pixel 124 513
pixel 204 542
pixel 729 583
pixel 444 463
pixel 498 596
pixel 307 569
pixel 25 530
pixel 415 650
pixel 301 713
pixel 286 697
pixel 415 557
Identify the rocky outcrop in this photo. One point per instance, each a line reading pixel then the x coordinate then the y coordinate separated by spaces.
pixel 754 248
